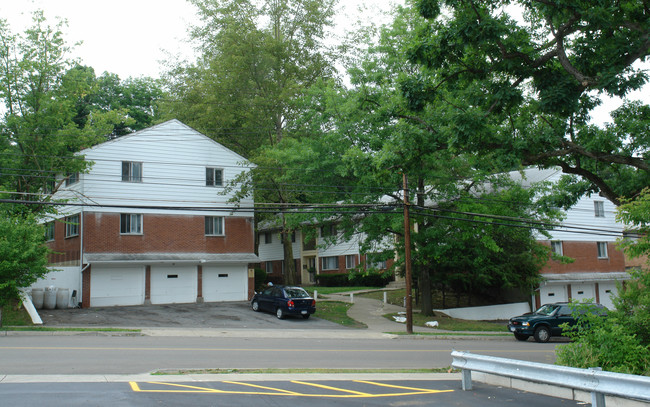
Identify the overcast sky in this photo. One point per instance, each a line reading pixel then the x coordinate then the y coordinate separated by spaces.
pixel 131 37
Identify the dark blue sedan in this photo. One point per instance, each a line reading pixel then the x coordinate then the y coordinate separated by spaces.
pixel 283 301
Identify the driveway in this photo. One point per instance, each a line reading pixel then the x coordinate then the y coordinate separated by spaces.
pixel 207 315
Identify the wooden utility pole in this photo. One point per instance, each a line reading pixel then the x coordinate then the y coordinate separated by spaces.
pixel 407 259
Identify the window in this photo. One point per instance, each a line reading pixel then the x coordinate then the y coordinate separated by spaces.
pixel 214 226
pixel 599 209
pixel 131 171
pixel 130 224
pixel 602 250
pixel 376 265
pixel 72 179
pixel 328 230
pixel 330 263
pixel 350 261
pixel 213 177
pixel 556 247
pixel 49 231
pixel 269 267
pixel 72 226
pixel 268 237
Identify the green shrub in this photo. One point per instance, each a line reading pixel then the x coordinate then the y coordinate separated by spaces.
pixel 333 280
pixel 260 279
pixel 606 342
pixel 369 279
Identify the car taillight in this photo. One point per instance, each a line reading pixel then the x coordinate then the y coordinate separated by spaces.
pixel 313 303
pixel 290 304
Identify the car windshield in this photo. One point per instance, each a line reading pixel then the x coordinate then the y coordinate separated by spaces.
pixel 546 309
pixel 296 292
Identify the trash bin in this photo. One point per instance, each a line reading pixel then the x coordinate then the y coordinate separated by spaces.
pixel 37 298
pixel 49 298
pixel 63 298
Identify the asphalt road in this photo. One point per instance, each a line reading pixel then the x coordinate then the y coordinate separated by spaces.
pixel 297 393
pixel 85 354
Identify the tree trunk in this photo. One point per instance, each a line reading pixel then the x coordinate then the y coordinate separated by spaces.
pixel 0 316
pixel 289 264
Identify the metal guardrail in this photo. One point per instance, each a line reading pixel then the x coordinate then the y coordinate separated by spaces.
pixel 596 382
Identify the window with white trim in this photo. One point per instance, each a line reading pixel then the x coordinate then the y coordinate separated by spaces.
pixel 350 261
pixel 556 247
pixel 599 209
pixel 213 177
pixel 330 263
pixel 602 250
pixel 131 171
pixel 72 226
pixel 214 226
pixel 269 267
pixel 130 224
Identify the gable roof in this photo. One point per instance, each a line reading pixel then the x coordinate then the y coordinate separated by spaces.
pixel 171 128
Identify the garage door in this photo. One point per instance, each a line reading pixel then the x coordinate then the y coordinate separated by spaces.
pixel 580 292
pixel 225 283
pixel 173 284
pixel 553 293
pixel 110 286
pixel 606 291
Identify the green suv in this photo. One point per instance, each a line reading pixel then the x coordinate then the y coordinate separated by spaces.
pixel 545 322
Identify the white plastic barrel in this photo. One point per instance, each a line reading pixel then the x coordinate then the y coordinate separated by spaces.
pixel 63 298
pixel 37 298
pixel 49 298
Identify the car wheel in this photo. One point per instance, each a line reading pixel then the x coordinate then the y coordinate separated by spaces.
pixel 255 305
pixel 522 337
pixel 542 334
pixel 305 316
pixel 279 313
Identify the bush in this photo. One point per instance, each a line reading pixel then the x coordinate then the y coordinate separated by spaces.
pixel 370 279
pixel 606 342
pixel 260 279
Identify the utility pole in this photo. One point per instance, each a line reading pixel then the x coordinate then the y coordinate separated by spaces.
pixel 407 259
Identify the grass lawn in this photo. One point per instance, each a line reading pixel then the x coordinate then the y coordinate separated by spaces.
pixel 11 316
pixel 396 297
pixel 337 312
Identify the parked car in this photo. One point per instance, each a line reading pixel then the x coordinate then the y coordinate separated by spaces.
pixel 283 301
pixel 545 322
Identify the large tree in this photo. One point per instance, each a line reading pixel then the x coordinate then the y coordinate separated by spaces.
pixel 518 81
pixel 257 57
pixel 369 136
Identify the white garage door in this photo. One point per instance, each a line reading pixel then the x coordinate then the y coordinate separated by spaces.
pixel 173 284
pixel 225 283
pixel 110 286
pixel 606 291
pixel 553 293
pixel 580 292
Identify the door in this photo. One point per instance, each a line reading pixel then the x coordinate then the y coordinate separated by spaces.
pixel 173 284
pixel 116 286
pixel 225 283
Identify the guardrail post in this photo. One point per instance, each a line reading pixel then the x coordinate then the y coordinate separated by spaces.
pixel 351 298
pixel 466 375
pixel 385 297
pixel 597 399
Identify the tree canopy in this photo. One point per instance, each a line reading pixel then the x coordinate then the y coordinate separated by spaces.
pixel 518 80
